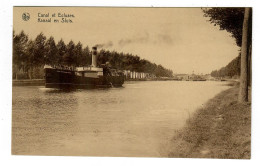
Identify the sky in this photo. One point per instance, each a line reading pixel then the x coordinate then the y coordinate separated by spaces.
pixel 180 39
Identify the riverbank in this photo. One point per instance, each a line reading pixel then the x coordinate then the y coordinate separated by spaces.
pixel 221 129
pixel 28 82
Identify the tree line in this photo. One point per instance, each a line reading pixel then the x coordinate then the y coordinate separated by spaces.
pixel 238 22
pixel 29 57
pixel 230 70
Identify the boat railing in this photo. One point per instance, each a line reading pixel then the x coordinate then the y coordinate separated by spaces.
pixel 60 67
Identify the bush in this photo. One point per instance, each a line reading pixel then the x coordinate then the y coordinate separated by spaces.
pixel 20 75
pixel 38 73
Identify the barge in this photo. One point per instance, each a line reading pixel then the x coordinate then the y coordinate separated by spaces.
pixel 83 77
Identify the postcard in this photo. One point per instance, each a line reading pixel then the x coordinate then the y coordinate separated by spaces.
pixel 132 82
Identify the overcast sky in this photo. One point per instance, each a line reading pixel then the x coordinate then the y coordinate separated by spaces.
pixel 180 39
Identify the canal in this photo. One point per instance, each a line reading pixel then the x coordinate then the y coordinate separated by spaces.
pixel 138 119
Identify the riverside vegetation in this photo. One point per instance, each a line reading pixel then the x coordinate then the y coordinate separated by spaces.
pixel 29 57
pixel 221 129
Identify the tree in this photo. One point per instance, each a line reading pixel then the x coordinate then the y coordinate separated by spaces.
pixel 237 21
pixel 86 57
pixel 39 50
pixel 78 55
pixel 36 53
pixel 102 57
pixel 33 54
pixel 50 56
pixel 61 50
pixel 29 52
pixel 69 58
pixel 243 91
pixel 230 70
pixel 20 42
pixel 229 19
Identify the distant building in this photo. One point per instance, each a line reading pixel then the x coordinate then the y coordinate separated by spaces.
pixel 137 75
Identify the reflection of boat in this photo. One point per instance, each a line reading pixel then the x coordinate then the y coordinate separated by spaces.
pixel 83 77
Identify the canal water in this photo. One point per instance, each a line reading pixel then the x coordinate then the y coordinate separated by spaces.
pixel 138 119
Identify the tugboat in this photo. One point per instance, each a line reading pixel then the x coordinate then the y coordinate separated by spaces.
pixel 83 77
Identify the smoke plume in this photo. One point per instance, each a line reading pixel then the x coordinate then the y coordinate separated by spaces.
pixel 162 38
pixel 104 45
pixel 141 39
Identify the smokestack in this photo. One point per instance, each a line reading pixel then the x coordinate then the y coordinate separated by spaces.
pixel 94 56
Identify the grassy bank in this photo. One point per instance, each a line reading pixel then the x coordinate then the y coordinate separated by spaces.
pixel 221 129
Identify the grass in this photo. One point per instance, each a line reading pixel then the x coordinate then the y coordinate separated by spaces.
pixel 221 129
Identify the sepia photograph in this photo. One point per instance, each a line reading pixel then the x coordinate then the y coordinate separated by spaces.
pixel 163 82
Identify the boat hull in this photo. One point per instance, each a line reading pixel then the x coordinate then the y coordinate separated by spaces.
pixel 64 79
